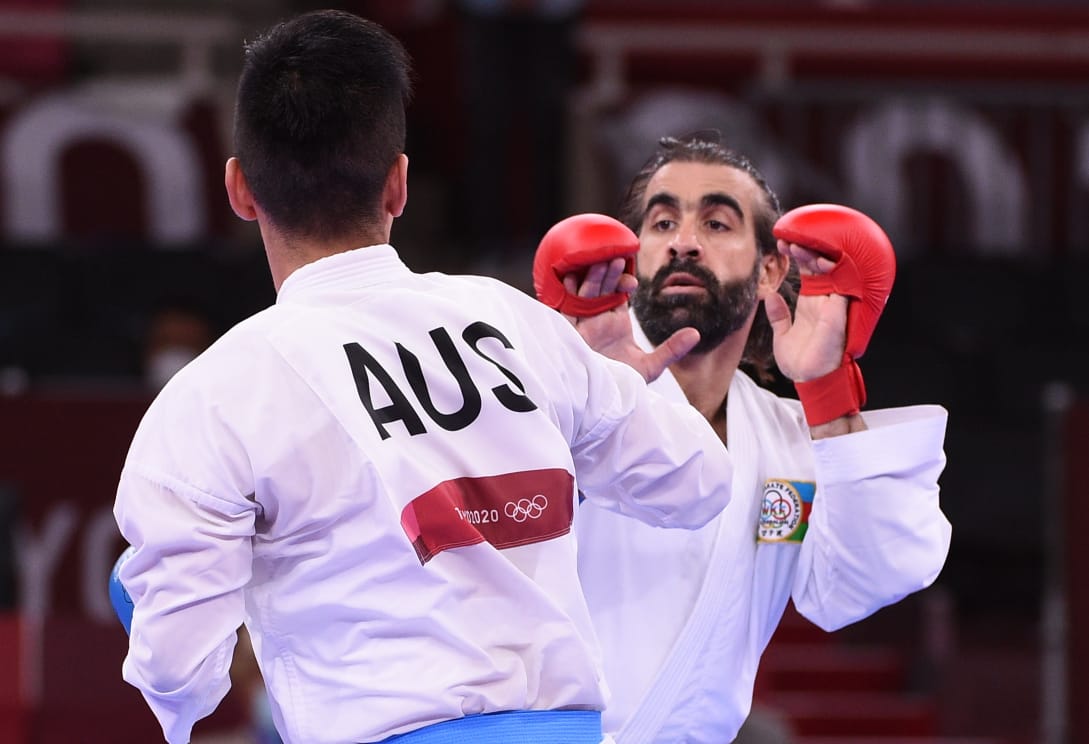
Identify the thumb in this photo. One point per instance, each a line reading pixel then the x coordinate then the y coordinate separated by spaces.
pixel 571 286
pixel 670 350
pixel 778 313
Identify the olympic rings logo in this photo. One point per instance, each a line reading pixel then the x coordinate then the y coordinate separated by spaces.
pixel 524 509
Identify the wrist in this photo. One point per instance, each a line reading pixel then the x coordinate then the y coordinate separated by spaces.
pixel 840 393
pixel 838 427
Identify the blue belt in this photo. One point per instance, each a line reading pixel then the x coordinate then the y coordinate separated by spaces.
pixel 511 727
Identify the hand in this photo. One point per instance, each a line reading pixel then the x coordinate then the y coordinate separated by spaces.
pixel 812 343
pixel 610 332
pixel 850 261
pixel 573 245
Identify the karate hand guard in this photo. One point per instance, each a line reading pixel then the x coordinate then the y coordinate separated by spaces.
pixel 864 273
pixel 573 245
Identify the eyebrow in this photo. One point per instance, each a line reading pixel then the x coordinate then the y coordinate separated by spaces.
pixel 713 199
pixel 667 200
pixel 717 198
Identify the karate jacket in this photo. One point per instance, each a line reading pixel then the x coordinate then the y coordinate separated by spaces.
pixel 843 525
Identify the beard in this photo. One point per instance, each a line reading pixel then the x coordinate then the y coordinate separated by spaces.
pixel 723 310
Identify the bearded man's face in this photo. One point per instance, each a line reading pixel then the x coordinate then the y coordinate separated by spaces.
pixel 721 309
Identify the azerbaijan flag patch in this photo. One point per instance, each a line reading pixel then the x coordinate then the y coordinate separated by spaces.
pixel 784 511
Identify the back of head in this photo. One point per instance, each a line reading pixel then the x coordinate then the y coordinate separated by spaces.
pixel 319 121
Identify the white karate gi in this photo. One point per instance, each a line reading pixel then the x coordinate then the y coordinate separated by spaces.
pixel 684 617
pixel 340 472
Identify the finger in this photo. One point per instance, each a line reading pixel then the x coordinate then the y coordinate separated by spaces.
pixel 802 256
pixel 795 253
pixel 809 260
pixel 778 313
pixel 669 351
pixel 570 285
pixel 627 284
pixel 592 283
pixel 613 272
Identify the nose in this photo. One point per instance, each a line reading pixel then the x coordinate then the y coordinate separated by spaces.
pixel 685 242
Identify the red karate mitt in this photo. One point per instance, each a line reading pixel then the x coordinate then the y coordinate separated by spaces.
pixel 864 273
pixel 573 245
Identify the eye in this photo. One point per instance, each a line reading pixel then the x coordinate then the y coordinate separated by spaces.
pixel 663 225
pixel 717 226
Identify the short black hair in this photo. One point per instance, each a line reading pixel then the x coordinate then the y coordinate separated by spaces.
pixel 706 146
pixel 320 120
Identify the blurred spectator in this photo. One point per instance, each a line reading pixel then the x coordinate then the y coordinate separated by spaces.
pixel 177 332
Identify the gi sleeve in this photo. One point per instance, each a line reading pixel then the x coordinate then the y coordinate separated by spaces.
pixel 192 540
pixel 877 532
pixel 644 455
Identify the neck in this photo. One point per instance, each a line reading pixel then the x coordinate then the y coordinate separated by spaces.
pixel 287 253
pixel 706 378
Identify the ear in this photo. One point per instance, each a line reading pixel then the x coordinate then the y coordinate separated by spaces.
pixel 395 195
pixel 238 191
pixel 773 270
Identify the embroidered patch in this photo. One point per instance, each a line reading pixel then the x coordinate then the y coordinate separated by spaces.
pixel 784 511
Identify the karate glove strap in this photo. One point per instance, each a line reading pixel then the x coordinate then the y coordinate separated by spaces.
pixel 839 393
pixel 584 307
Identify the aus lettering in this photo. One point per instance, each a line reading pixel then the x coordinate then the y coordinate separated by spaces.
pixel 365 369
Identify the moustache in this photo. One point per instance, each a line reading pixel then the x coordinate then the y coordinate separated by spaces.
pixel 683 266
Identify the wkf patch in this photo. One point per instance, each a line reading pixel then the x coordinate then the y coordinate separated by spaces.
pixel 784 511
